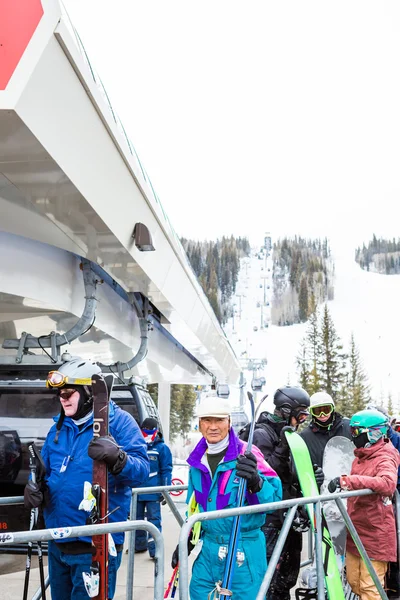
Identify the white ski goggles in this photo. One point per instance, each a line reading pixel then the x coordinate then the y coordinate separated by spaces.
pixel 55 379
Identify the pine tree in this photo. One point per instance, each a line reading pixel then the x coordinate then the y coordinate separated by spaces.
pixel 303 300
pixel 303 366
pixel 390 404
pixel 331 359
pixel 183 402
pixel 314 349
pixel 343 403
pixel 357 386
pixel 186 411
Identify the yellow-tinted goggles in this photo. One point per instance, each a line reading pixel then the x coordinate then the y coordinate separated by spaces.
pixel 321 411
pixel 55 379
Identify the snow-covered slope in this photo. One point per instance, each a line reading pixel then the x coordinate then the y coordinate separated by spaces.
pixel 365 303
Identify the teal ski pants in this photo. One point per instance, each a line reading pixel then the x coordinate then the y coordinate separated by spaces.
pixel 209 566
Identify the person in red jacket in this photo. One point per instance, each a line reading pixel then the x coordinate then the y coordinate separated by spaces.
pixel 375 468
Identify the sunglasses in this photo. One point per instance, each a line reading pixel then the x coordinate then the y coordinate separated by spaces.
pixel 55 379
pixel 321 411
pixel 67 393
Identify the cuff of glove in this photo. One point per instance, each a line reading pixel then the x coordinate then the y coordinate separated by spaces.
pixel 254 488
pixel 120 464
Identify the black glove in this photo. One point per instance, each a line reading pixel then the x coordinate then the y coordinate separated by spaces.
pixel 163 502
pixel 175 555
pixel 246 467
pixel 334 485
pixel 319 475
pixel 106 449
pixel 33 495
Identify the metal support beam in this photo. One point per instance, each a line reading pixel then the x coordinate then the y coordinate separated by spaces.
pixel 54 340
pixel 142 314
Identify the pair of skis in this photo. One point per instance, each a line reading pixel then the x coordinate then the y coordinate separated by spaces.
pixel 96 583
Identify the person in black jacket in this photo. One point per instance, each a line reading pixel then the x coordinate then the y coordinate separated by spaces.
pixel 325 424
pixel 291 409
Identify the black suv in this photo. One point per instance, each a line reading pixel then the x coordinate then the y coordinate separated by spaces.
pixel 27 409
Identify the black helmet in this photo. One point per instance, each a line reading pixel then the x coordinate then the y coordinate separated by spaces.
pixel 291 397
pixel 291 402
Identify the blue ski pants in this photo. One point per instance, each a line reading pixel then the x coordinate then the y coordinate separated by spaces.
pixel 65 573
pixel 151 511
pixel 249 570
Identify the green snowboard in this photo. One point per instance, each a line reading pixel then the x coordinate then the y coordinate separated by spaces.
pixel 305 474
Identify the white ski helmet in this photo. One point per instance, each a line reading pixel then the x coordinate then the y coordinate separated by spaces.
pixel 321 399
pixel 74 372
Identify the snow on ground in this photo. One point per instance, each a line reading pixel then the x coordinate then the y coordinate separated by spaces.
pixel 365 303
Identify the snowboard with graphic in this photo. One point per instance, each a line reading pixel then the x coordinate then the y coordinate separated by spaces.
pixel 338 457
pixel 305 474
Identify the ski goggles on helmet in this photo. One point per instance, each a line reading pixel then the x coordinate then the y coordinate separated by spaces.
pixel 55 379
pixel 324 410
pixel 356 431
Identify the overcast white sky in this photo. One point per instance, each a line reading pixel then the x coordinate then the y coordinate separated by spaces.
pixel 258 116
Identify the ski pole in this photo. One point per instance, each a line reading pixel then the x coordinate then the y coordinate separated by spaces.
pixel 175 585
pixel 28 557
pixel 34 455
pixel 171 581
pixel 234 538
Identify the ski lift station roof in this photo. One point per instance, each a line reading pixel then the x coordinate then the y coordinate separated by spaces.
pixel 72 188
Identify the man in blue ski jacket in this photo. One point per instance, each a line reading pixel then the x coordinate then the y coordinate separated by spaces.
pixel 68 454
pixel 148 505
pixel 216 464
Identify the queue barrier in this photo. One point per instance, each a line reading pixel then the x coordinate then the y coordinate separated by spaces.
pixel 186 526
pixel 292 506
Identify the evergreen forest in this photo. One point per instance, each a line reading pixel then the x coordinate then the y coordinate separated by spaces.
pixel 216 266
pixel 183 402
pixel 303 273
pixel 380 255
pixel 323 364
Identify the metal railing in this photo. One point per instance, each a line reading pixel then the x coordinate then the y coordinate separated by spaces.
pixel 186 526
pixel 271 506
pixel 90 530
pixel 164 490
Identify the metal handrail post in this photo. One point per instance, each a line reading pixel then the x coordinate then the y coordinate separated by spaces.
pixel 173 508
pixel 131 549
pixel 360 546
pixel 38 594
pixel 280 542
pixel 318 552
pixel 310 545
pixel 184 560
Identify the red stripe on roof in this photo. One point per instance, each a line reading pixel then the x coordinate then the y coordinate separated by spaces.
pixel 18 21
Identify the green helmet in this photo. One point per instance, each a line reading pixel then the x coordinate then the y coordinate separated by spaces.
pixel 370 421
